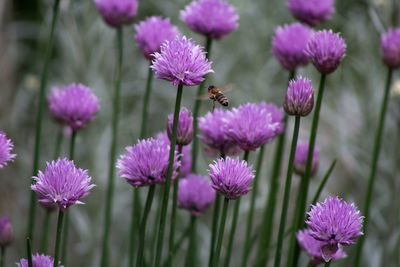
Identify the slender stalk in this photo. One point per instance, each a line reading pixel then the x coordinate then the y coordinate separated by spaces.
pixel 232 233
pixel 323 182
pixel 65 237
pixel 235 216
pixel 173 213
pixel 196 111
pixel 161 227
pixel 57 247
pixel 178 243
pixel 218 246
pixel 113 150
pixel 327 264
pixel 39 116
pixel 214 227
pixel 270 205
pixel 2 255
pixel 29 252
pixel 143 224
pixel 286 196
pixel 294 251
pixel 374 165
pixel 191 259
pixel 46 222
pixel 249 226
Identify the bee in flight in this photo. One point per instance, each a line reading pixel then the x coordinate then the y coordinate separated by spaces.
pixel 216 94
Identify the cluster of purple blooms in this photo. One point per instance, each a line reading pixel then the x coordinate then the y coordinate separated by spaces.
pixel 6 147
pixel 332 225
pixel 38 260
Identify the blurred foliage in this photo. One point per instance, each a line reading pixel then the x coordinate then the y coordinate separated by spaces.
pixel 85 52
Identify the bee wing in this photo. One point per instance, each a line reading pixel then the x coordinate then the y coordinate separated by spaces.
pixel 227 88
pixel 204 96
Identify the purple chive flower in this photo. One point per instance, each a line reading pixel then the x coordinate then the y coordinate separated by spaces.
pixel 211 18
pixel 335 223
pixel 6 147
pixel 326 50
pixel 6 232
pixel 145 163
pixel 252 125
pixel 38 260
pixel 312 12
pixel 181 62
pixel 313 248
pixel 117 13
pixel 184 134
pixel 300 159
pixel 231 177
pixel 75 105
pixel 195 194
pixel 214 134
pixel 152 33
pixel 390 48
pixel 289 44
pixel 299 99
pixel 62 184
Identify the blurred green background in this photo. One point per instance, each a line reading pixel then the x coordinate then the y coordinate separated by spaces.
pixel 85 52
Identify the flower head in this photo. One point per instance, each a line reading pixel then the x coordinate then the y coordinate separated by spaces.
pixel 214 134
pixel 181 62
pixel 6 232
pixel 146 163
pixel 312 12
pixel 117 13
pixel 38 260
pixel 152 33
pixel 212 18
pixel 62 184
pixel 313 248
pixel 300 159
pixel 75 105
pixel 195 194
pixel 299 99
pixel 184 134
pixel 289 44
pixel 6 147
pixel 231 177
pixel 390 48
pixel 326 50
pixel 253 125
pixel 334 222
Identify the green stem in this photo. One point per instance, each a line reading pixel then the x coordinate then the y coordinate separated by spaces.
pixel 45 233
pixel 374 165
pixel 249 226
pixel 2 255
pixel 232 233
pixel 113 150
pixel 143 224
pixel 161 227
pixel 196 111
pixel 286 195
pixel 214 228
pixel 218 246
pixel 178 243
pixel 323 182
pixel 57 247
pixel 173 213
pixel 327 264
pixel 270 205
pixel 294 251
pixel 135 224
pixel 39 116
pixel 235 216
pixel 29 252
pixel 191 259
pixel 65 237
